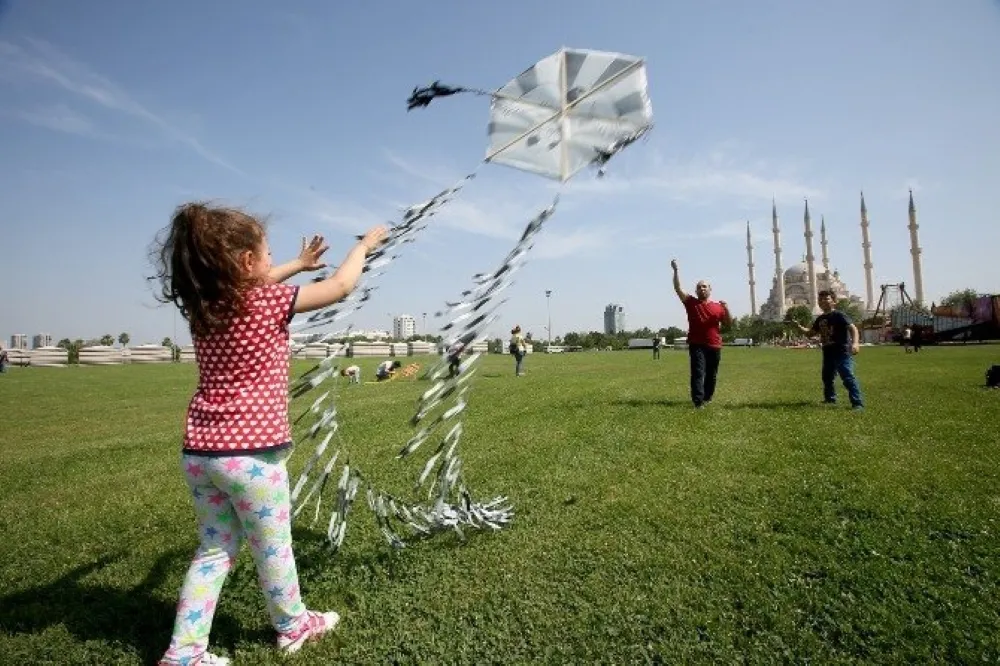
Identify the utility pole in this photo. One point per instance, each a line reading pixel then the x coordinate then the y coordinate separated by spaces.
pixel 548 307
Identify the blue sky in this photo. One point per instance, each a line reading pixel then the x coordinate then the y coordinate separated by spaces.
pixel 114 112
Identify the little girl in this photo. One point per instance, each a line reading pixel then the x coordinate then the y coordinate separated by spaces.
pixel 215 266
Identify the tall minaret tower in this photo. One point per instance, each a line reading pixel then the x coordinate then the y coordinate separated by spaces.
pixel 866 245
pixel 810 261
pixel 918 275
pixel 779 273
pixel 753 292
pixel 822 244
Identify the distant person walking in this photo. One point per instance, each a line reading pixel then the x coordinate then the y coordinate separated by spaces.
pixel 705 318
pixel 3 360
pixel 518 348
pixel 840 340
pixel 907 339
pixel 656 348
pixel 454 355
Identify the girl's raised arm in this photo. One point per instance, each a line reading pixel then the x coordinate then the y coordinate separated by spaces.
pixel 343 281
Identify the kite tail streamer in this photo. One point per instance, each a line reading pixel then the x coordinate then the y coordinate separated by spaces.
pixel 422 97
pixel 451 505
pixel 321 421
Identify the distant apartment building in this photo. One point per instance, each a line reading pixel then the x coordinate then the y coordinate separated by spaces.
pixel 41 340
pixel 404 327
pixel 614 319
pixel 19 341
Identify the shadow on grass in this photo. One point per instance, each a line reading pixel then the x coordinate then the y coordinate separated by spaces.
pixel 135 616
pixel 773 404
pixel 643 402
pixel 780 404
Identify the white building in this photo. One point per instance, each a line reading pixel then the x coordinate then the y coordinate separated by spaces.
pixel 41 340
pixel 614 319
pixel 404 327
pixel 19 341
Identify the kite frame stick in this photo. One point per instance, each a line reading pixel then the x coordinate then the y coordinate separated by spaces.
pixel 566 107
pixel 563 124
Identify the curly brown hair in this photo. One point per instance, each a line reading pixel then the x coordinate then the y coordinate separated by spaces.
pixel 197 259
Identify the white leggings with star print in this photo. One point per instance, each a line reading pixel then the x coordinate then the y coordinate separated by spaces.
pixel 236 498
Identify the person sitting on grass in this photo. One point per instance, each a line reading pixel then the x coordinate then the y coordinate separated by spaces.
pixel 386 369
pixel 839 338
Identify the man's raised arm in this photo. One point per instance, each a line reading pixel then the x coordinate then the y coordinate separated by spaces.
pixel 677 282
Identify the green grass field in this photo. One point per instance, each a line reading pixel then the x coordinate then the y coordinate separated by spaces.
pixel 767 528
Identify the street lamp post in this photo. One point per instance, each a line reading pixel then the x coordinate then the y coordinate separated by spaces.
pixel 548 307
pixel 425 326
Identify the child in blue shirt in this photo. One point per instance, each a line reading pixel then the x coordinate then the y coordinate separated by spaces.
pixel 840 340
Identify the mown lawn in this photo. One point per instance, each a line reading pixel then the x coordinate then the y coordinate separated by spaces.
pixel 767 528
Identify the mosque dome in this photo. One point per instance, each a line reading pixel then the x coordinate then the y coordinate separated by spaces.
pixel 797 272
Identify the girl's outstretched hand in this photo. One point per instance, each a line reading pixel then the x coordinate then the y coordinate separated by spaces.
pixel 374 237
pixel 311 253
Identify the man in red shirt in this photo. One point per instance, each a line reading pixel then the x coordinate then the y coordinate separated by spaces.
pixel 704 338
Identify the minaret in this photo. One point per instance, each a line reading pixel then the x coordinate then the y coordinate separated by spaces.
pixel 866 245
pixel 822 244
pixel 918 275
pixel 779 273
pixel 810 261
pixel 753 292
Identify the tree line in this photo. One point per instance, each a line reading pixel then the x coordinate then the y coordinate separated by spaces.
pixel 747 326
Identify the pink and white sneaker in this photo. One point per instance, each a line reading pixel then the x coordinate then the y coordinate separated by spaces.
pixel 206 659
pixel 314 626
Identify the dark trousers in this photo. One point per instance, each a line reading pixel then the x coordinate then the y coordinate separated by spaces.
pixel 838 361
pixel 656 352
pixel 519 363
pixel 704 371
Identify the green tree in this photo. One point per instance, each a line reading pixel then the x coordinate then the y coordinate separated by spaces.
pixel 963 300
pixel 960 297
pixel 852 310
pixel 107 340
pixel 801 314
pixel 672 333
pixel 123 339
pixel 72 349
pixel 175 351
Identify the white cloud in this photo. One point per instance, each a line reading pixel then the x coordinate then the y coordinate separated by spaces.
pixel 494 208
pixel 41 61
pixel 60 118
pixel 341 216
pixel 560 244
pixel 719 175
pixel 430 173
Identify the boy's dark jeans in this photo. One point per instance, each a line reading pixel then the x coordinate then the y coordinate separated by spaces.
pixel 839 361
pixel 704 370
